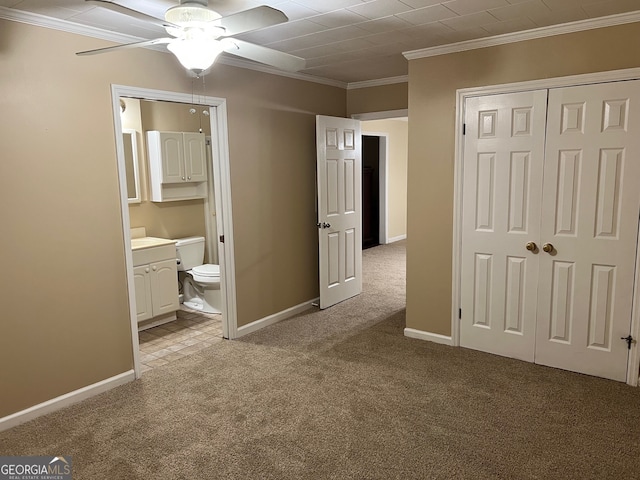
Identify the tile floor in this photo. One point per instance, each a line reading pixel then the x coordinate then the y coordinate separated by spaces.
pixel 190 333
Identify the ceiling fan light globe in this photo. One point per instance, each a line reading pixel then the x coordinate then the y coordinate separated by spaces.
pixel 195 55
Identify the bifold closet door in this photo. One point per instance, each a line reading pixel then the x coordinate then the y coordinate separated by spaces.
pixel 589 222
pixel 503 164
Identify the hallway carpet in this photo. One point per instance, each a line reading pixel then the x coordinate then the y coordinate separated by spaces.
pixel 342 394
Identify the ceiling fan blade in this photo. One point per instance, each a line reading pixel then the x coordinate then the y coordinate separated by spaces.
pixel 146 43
pixel 251 19
pixel 132 13
pixel 264 55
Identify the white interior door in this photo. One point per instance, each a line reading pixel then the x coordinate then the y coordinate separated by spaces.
pixel 590 207
pixel 569 183
pixel 339 176
pixel 503 159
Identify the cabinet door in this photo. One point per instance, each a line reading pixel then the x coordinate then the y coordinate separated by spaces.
pixel 164 284
pixel 172 151
pixel 195 157
pixel 142 285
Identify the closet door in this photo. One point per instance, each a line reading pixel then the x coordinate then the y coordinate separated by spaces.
pixel 503 164
pixel 590 208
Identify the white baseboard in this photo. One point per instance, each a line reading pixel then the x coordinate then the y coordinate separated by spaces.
pixel 275 318
pixel 65 400
pixel 431 337
pixel 397 239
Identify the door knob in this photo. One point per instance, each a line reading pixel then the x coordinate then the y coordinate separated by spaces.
pixel 326 225
pixel 547 247
pixel 532 247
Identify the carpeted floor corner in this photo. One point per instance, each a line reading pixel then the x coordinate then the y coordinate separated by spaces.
pixel 342 394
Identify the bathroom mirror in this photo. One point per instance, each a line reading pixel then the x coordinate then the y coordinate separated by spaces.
pixel 131 163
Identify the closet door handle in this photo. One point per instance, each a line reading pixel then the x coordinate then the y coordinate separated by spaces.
pixel 547 247
pixel 532 247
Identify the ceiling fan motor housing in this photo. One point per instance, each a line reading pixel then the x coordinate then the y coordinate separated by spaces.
pixel 191 13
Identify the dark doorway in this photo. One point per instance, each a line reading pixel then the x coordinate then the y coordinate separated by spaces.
pixel 370 191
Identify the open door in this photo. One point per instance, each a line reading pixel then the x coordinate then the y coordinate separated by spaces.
pixel 339 170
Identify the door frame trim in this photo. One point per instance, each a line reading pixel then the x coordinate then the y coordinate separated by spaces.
pixel 633 363
pixel 383 186
pixel 222 180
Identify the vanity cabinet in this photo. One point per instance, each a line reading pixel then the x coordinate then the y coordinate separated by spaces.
pixel 155 276
pixel 177 165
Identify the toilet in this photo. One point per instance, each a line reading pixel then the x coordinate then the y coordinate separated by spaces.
pixel 200 283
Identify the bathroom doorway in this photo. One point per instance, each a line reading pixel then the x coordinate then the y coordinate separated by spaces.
pixel 217 205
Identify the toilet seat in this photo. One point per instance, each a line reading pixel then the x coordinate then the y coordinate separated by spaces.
pixel 206 274
pixel 207 270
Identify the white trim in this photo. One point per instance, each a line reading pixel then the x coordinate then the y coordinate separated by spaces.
pixel 378 83
pixel 220 151
pixel 65 400
pixel 397 239
pixel 126 228
pixel 633 365
pixel 38 20
pixel 457 222
pixel 364 117
pixel 383 185
pixel 224 219
pixel 276 317
pixel 428 336
pixel 564 28
pixel 95 32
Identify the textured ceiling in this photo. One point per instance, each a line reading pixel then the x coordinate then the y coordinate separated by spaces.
pixel 353 40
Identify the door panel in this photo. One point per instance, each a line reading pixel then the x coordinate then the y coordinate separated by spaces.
pixel 339 208
pixel 590 207
pixel 504 154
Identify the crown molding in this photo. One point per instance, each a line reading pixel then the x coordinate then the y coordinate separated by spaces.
pixel 579 26
pixel 378 82
pixel 38 20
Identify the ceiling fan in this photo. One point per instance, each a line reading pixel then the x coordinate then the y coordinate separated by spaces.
pixel 198 34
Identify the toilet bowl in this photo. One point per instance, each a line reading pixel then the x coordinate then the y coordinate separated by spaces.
pixel 200 282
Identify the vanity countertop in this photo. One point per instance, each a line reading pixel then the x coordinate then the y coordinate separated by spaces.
pixel 149 242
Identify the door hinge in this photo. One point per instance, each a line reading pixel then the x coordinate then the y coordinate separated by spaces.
pixel 464 129
pixel 459 314
pixel 630 340
pixel 221 238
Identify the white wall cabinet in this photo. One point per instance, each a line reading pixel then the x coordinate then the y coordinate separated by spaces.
pixel 155 277
pixel 177 164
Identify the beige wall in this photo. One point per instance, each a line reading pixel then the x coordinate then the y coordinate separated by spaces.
pixel 377 99
pixel 397 131
pixel 65 319
pixel 433 84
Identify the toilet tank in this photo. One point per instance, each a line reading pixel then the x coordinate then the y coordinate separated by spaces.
pixel 190 252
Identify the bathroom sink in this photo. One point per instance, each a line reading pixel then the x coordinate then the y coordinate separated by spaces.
pixel 149 242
